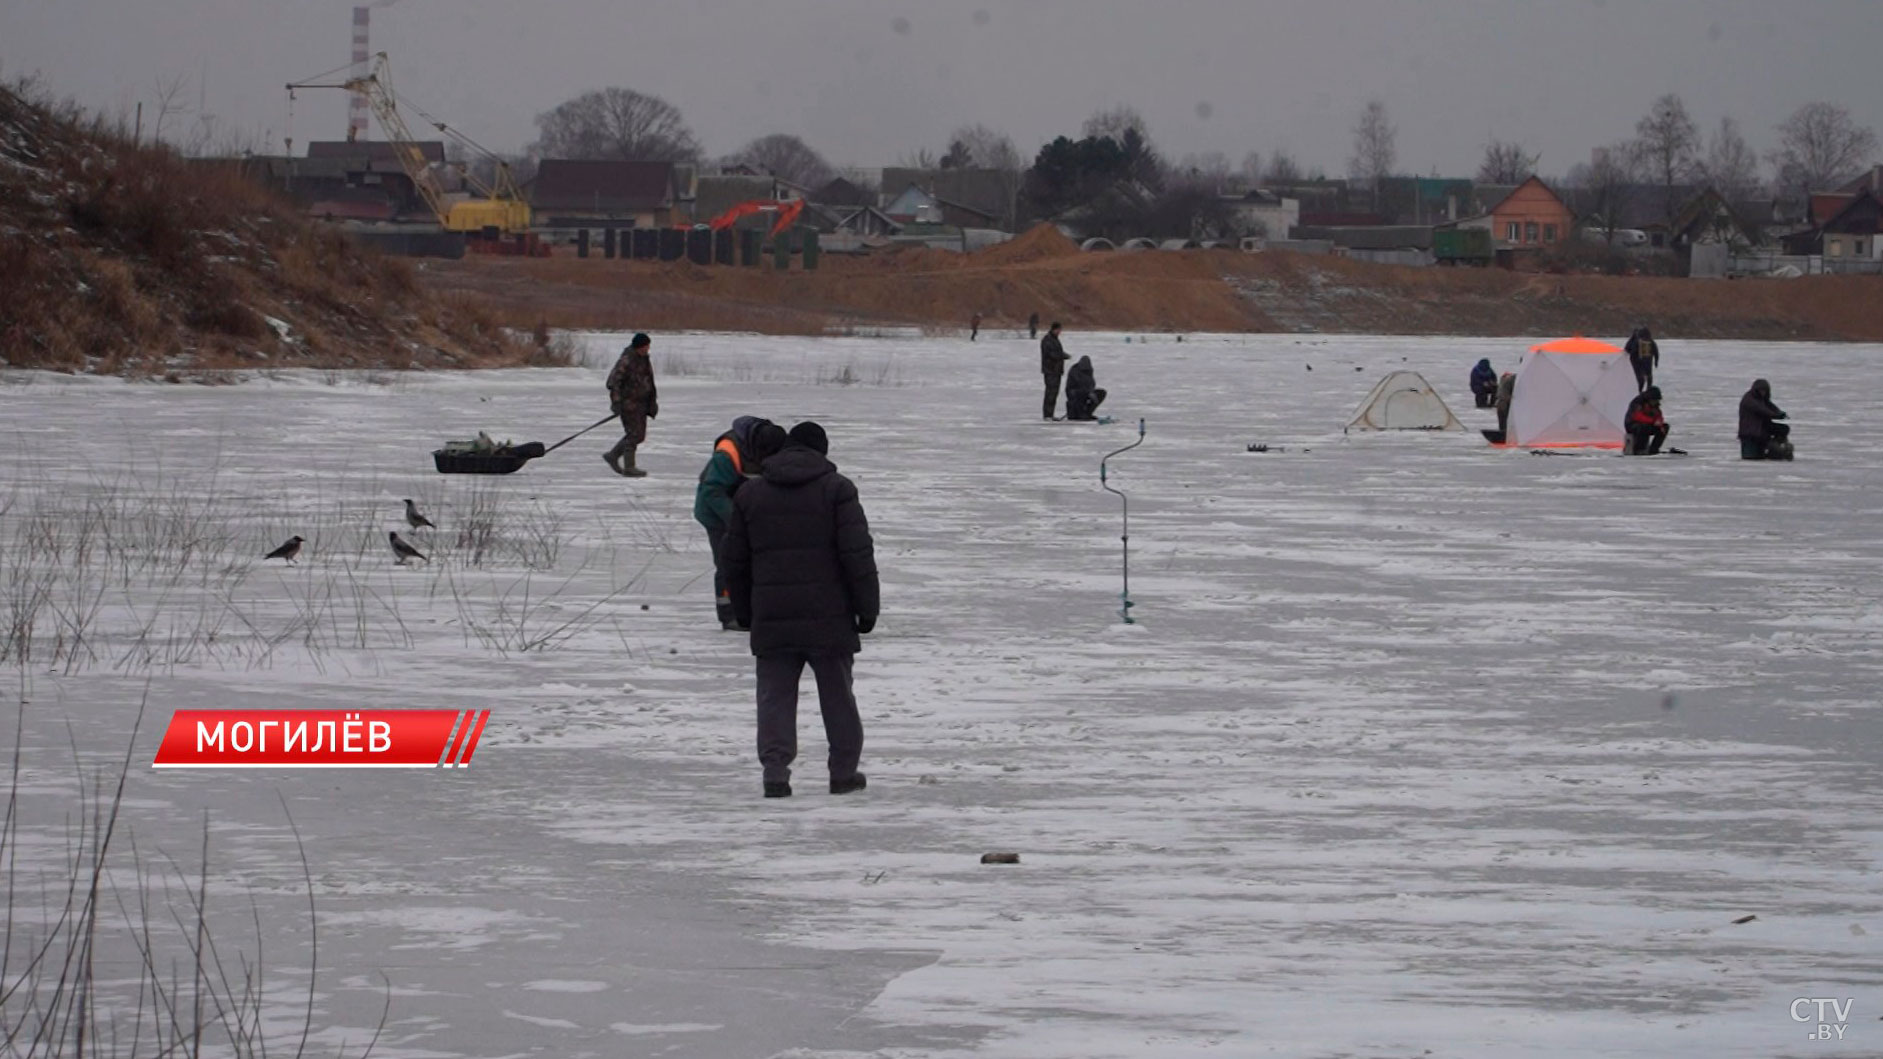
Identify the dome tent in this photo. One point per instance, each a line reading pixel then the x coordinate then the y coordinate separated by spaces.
pixel 1571 393
pixel 1403 400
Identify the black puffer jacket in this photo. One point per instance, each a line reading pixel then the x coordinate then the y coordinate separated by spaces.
pixel 798 558
pixel 1052 355
pixel 1756 412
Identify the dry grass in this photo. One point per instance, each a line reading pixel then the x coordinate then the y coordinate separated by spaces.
pixel 125 258
pixel 1195 290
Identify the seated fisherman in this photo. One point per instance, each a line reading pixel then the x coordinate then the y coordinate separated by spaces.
pixel 1484 383
pixel 1082 393
pixel 1761 435
pixel 1647 429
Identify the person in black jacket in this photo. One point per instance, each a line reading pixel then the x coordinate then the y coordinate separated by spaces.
pixel 1082 393
pixel 1053 365
pixel 802 573
pixel 1761 435
pixel 1644 355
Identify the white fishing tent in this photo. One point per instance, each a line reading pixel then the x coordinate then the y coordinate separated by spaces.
pixel 1403 400
pixel 1572 393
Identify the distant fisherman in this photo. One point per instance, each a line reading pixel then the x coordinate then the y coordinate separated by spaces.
pixel 1484 383
pixel 1644 355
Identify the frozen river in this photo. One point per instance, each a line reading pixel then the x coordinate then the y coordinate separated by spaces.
pixel 1418 747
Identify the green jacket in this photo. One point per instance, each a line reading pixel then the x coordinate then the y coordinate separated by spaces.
pixel 722 476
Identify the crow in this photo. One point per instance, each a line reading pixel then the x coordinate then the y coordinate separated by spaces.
pixel 405 551
pixel 414 519
pixel 287 551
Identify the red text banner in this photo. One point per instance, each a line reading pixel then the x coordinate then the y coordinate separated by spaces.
pixel 321 738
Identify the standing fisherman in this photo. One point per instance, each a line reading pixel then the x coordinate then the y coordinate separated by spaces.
pixel 1053 365
pixel 631 396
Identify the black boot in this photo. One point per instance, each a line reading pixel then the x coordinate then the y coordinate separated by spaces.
pixel 856 782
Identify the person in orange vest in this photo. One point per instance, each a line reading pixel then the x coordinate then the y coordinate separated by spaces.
pixel 737 455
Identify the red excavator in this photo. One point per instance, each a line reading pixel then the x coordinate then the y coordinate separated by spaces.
pixel 788 213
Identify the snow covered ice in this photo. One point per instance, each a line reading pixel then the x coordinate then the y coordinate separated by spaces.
pixel 1417 745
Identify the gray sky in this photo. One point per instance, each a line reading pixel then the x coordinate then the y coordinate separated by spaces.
pixel 865 81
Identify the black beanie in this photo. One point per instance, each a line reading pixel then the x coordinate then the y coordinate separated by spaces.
pixel 640 339
pixel 811 436
pixel 767 438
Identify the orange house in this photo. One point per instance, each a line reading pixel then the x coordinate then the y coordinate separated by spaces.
pixel 1531 217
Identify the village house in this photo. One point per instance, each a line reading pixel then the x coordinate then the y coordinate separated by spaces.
pixel 917 205
pixel 572 193
pixel 976 198
pixel 1851 236
pixel 1526 222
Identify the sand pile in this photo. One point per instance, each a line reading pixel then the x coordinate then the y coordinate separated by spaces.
pixel 1040 242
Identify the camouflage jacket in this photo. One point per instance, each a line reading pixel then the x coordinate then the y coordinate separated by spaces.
pixel 631 384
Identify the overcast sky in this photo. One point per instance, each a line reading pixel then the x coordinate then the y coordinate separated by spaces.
pixel 866 81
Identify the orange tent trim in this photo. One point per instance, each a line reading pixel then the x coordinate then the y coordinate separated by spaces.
pixel 1577 344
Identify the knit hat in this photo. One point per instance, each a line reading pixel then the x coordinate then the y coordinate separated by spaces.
pixel 811 436
pixel 767 438
pixel 640 339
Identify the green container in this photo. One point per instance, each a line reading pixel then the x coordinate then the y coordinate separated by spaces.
pixel 1463 245
pixel 781 251
pixel 811 249
pixel 751 247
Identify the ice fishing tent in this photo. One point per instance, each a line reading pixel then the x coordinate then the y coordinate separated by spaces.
pixel 1403 400
pixel 1572 393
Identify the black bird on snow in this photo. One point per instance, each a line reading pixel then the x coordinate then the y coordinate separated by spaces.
pixel 405 551
pixel 287 551
pixel 414 519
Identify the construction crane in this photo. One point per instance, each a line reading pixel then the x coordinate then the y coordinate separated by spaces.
pixel 500 207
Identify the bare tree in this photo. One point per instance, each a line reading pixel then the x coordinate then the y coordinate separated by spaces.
pixel 920 158
pixel 987 148
pixel 1819 147
pixel 1375 147
pixel 1282 169
pixel 1606 183
pixel 1669 148
pixel 616 123
pixel 786 157
pixel 170 103
pixel 1730 165
pixel 1251 171
pixel 1506 162
pixel 1209 171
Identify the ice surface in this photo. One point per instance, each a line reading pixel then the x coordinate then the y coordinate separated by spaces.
pixel 1418 745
